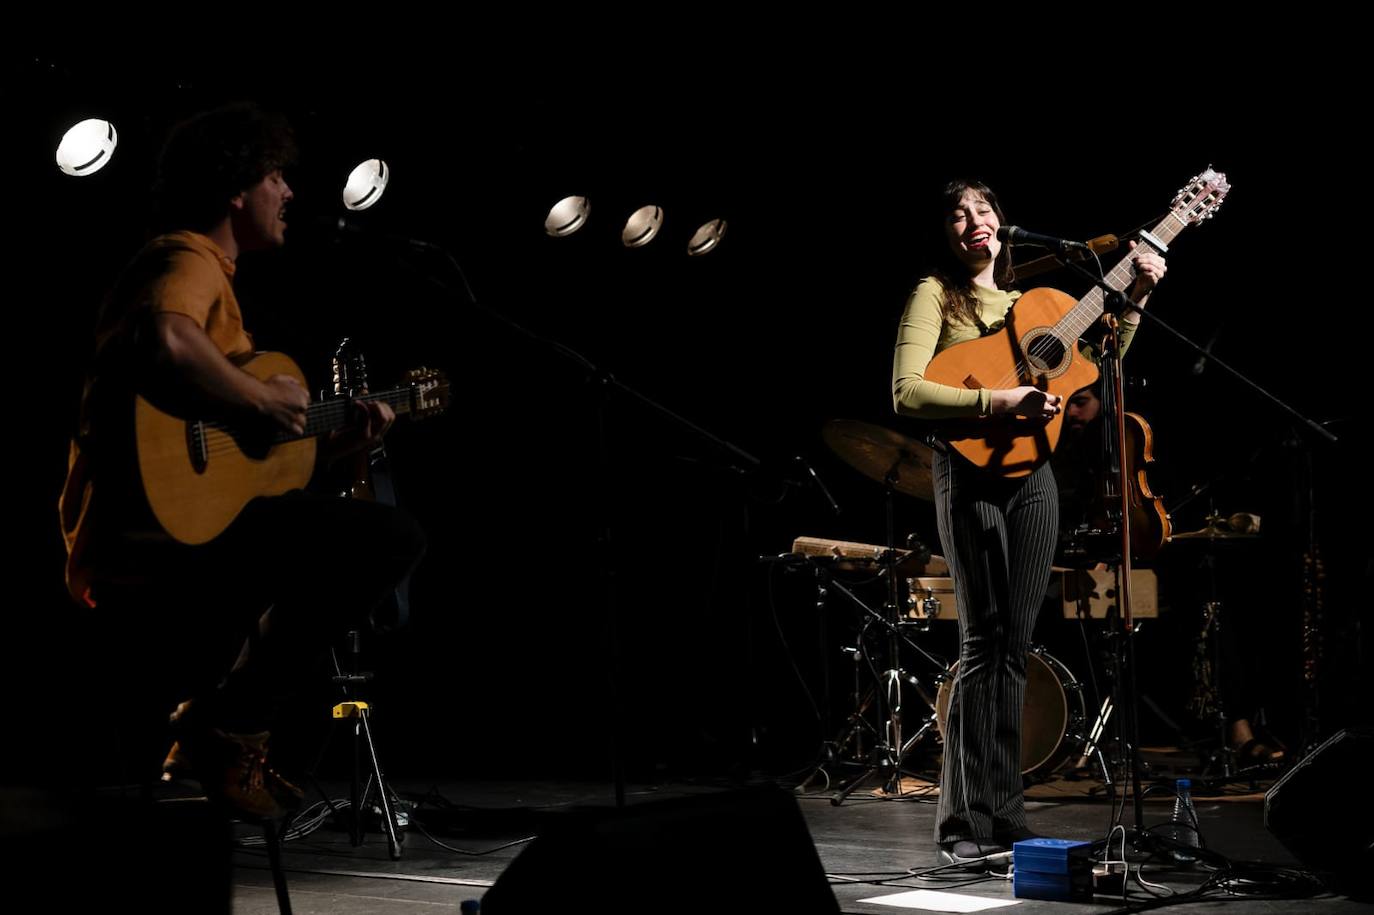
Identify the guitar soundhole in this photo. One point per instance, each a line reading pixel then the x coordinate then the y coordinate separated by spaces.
pixel 1045 353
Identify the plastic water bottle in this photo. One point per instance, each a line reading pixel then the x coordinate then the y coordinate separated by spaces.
pixel 1183 825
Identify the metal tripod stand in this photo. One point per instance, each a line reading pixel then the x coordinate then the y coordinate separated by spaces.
pixel 886 694
pixel 359 715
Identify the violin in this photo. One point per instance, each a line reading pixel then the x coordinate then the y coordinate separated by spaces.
pixel 1150 524
pixel 1092 494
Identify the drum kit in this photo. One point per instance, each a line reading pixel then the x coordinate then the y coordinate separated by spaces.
pixel 1056 725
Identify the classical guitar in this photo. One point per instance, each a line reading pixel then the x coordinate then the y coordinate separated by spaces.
pixel 1039 346
pixel 198 474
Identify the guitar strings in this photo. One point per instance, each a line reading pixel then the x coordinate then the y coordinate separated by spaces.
pixel 1088 310
pixel 222 437
pixel 1089 307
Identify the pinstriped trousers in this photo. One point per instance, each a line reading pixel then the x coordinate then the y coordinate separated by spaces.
pixel 999 538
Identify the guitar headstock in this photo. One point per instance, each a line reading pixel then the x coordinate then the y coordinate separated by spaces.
pixel 1199 199
pixel 349 369
pixel 428 392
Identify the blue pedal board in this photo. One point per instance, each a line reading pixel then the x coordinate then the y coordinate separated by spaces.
pixel 1056 869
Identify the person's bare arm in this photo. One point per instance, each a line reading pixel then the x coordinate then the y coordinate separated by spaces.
pixel 181 347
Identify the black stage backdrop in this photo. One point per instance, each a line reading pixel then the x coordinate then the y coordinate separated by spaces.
pixel 826 182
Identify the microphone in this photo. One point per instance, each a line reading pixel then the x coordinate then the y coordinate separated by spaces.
pixel 340 227
pixel 1015 235
pixel 1036 266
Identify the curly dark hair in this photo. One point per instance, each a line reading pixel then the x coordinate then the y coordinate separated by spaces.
pixel 213 156
pixel 961 302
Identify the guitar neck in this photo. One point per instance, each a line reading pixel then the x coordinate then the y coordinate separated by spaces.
pixel 330 415
pixel 1090 307
pixel 325 416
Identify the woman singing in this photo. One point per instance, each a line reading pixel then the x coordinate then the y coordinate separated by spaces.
pixel 998 534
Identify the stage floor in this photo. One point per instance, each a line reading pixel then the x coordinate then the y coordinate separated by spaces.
pixel 867 837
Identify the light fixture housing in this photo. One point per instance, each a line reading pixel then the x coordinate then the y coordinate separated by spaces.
pixel 642 226
pixel 705 239
pixel 567 216
pixel 87 147
pixel 366 184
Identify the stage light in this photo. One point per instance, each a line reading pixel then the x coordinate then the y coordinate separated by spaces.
pixel 642 226
pixel 706 237
pixel 366 184
pixel 87 147
pixel 567 216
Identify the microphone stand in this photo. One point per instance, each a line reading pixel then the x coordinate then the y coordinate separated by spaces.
pixel 1129 718
pixel 1122 303
pixel 606 385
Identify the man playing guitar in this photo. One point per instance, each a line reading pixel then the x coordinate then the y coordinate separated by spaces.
pixel 171 333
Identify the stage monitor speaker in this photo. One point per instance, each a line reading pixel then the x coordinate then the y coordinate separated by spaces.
pixel 735 851
pixel 1322 810
pixel 88 852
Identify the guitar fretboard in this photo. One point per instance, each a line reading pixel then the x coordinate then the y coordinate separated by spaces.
pixel 1090 307
pixel 328 415
pixel 321 416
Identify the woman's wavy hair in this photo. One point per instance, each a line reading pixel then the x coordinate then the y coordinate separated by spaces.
pixel 961 301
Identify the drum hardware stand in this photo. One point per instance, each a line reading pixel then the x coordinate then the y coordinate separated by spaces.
pixel 1221 766
pixel 1223 755
pixel 1095 738
pixel 1092 744
pixel 856 725
pixel 892 747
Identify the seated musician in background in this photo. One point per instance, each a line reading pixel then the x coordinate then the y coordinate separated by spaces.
pixel 1078 467
pixel 171 331
pixel 1078 460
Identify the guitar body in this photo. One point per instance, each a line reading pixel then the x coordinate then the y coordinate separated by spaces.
pixel 197 480
pixel 1024 351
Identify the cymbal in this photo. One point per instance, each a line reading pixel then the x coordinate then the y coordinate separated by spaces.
pixel 1212 532
pixel 883 455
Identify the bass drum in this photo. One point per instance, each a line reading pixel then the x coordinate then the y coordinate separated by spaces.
pixel 1052 719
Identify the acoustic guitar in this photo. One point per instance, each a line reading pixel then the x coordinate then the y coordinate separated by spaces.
pixel 199 474
pixel 1039 346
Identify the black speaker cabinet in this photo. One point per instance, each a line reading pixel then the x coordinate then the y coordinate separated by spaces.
pixel 1322 810
pixel 746 850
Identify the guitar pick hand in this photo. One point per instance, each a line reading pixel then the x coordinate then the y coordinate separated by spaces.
pixel 1026 401
pixel 285 403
